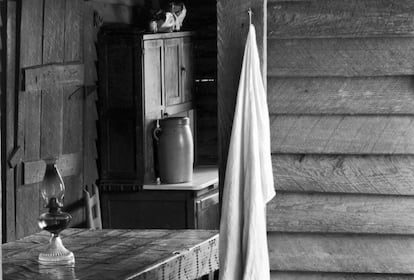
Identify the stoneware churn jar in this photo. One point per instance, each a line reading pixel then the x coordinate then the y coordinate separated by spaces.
pixel 175 150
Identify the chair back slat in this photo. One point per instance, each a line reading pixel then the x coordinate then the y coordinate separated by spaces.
pixel 93 208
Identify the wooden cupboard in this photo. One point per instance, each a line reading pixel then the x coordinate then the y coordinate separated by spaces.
pixel 142 78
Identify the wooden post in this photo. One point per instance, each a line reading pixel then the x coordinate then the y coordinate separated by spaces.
pixel 3 11
pixel 232 27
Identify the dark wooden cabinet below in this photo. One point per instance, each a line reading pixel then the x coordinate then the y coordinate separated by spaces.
pixel 193 205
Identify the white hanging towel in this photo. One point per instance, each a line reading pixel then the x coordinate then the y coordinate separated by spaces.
pixel 248 184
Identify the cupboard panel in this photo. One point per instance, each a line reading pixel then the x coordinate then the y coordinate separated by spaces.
pixel 172 71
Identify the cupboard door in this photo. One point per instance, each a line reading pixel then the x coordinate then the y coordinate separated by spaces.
pixel 153 75
pixel 207 212
pixel 187 69
pixel 172 71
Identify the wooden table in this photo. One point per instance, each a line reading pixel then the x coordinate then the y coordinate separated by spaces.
pixel 117 254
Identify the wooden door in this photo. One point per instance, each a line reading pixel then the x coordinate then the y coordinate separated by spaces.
pixel 44 111
pixel 51 122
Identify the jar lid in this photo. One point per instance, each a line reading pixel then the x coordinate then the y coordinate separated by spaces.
pixel 173 121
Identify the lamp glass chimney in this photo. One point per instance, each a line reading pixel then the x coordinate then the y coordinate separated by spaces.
pixel 52 189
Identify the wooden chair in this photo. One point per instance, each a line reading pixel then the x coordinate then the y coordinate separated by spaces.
pixel 93 208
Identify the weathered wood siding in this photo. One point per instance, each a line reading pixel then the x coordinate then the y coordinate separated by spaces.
pixel 3 55
pixel 8 122
pixel 341 98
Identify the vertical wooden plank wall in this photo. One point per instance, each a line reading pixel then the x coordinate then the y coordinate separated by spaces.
pixel 27 199
pixel 341 99
pixel 232 27
pixel 47 118
pixel 8 122
pixel 3 27
pixel 73 107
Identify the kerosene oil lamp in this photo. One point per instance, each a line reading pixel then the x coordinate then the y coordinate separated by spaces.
pixel 53 190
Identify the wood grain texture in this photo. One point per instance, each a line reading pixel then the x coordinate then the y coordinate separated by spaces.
pixel 337 95
pixel 27 209
pixel 73 30
pixel 3 67
pixel 274 275
pixel 9 127
pixel 9 207
pixel 341 253
pixel 340 57
pixel 299 212
pixel 20 219
pixel 73 98
pixel 344 174
pixel 342 134
pixel 10 77
pixel 54 31
pixel 33 171
pixel 31 45
pixel 232 27
pixel 118 254
pixel 53 75
pixel 74 203
pixel 90 135
pixel 335 18
pixel 32 125
pixel 27 198
pixel 51 128
pixel 68 165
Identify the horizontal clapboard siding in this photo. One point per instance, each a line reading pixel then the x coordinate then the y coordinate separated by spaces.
pixel 341 100
pixel 332 18
pixel 342 134
pixel 390 254
pixel 340 57
pixel 330 213
pixel 335 276
pixel 340 95
pixel 392 175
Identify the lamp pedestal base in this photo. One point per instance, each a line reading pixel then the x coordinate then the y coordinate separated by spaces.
pixel 56 253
